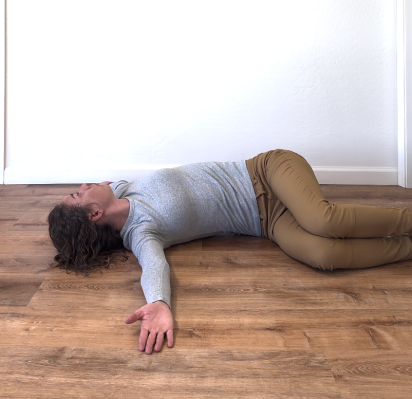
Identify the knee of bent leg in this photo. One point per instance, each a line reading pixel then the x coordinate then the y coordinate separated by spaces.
pixel 333 221
pixel 317 226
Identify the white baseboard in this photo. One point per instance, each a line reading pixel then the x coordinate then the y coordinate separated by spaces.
pixel 356 175
pixel 43 175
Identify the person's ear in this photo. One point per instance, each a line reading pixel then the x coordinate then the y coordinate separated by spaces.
pixel 96 215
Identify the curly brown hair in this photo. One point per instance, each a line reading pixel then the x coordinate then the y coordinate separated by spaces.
pixel 82 244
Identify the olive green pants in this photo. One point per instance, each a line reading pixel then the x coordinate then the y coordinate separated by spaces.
pixel 296 216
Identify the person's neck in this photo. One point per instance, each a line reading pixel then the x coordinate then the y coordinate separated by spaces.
pixel 118 213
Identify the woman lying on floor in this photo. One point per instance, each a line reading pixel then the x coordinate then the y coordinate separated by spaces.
pixel 274 195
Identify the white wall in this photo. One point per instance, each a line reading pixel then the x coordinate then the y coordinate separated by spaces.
pixel 109 89
pixel 2 86
pixel 404 91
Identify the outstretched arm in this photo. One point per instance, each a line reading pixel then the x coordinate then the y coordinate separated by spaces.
pixel 156 316
pixel 157 320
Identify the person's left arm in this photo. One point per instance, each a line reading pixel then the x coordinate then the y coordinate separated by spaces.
pixel 156 316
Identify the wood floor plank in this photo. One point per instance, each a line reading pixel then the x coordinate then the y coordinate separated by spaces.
pixel 12 186
pixel 36 245
pixel 38 190
pixel 350 191
pixel 237 243
pixel 34 219
pixel 213 328
pixel 15 208
pixel 24 265
pixel 15 234
pixel 284 283
pixel 18 290
pixel 226 286
pixel 7 222
pixel 192 373
pixel 378 374
pixel 113 295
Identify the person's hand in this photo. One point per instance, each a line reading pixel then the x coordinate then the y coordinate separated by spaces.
pixel 157 320
pixel 105 183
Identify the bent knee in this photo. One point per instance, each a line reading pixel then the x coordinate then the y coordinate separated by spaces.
pixel 333 222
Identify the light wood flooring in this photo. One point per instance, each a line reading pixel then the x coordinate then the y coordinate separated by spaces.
pixel 249 321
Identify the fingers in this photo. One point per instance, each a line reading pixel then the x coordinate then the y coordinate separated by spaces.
pixel 169 338
pixel 134 317
pixel 159 342
pixel 150 342
pixel 142 339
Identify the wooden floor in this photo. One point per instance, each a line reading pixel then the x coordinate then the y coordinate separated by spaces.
pixel 250 322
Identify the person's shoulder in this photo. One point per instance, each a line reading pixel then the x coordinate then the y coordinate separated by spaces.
pixel 119 188
pixel 116 184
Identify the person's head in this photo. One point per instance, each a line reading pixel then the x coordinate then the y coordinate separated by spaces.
pixel 94 195
pixel 79 231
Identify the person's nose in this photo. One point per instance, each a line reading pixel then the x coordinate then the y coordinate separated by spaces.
pixel 84 187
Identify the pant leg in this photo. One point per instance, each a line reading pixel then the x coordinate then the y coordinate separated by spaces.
pixel 336 253
pixel 293 182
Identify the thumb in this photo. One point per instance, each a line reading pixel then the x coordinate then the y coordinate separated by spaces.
pixel 134 316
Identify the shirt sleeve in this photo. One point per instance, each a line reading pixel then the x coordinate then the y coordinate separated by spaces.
pixel 155 278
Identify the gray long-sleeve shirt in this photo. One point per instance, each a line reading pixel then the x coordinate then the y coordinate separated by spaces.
pixel 180 204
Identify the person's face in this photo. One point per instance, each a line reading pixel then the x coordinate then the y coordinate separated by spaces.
pixel 91 194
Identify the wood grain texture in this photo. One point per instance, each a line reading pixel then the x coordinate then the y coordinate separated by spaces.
pixel 71 372
pixel 378 374
pixel 250 322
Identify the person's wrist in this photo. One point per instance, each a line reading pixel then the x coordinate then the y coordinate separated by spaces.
pixel 162 302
